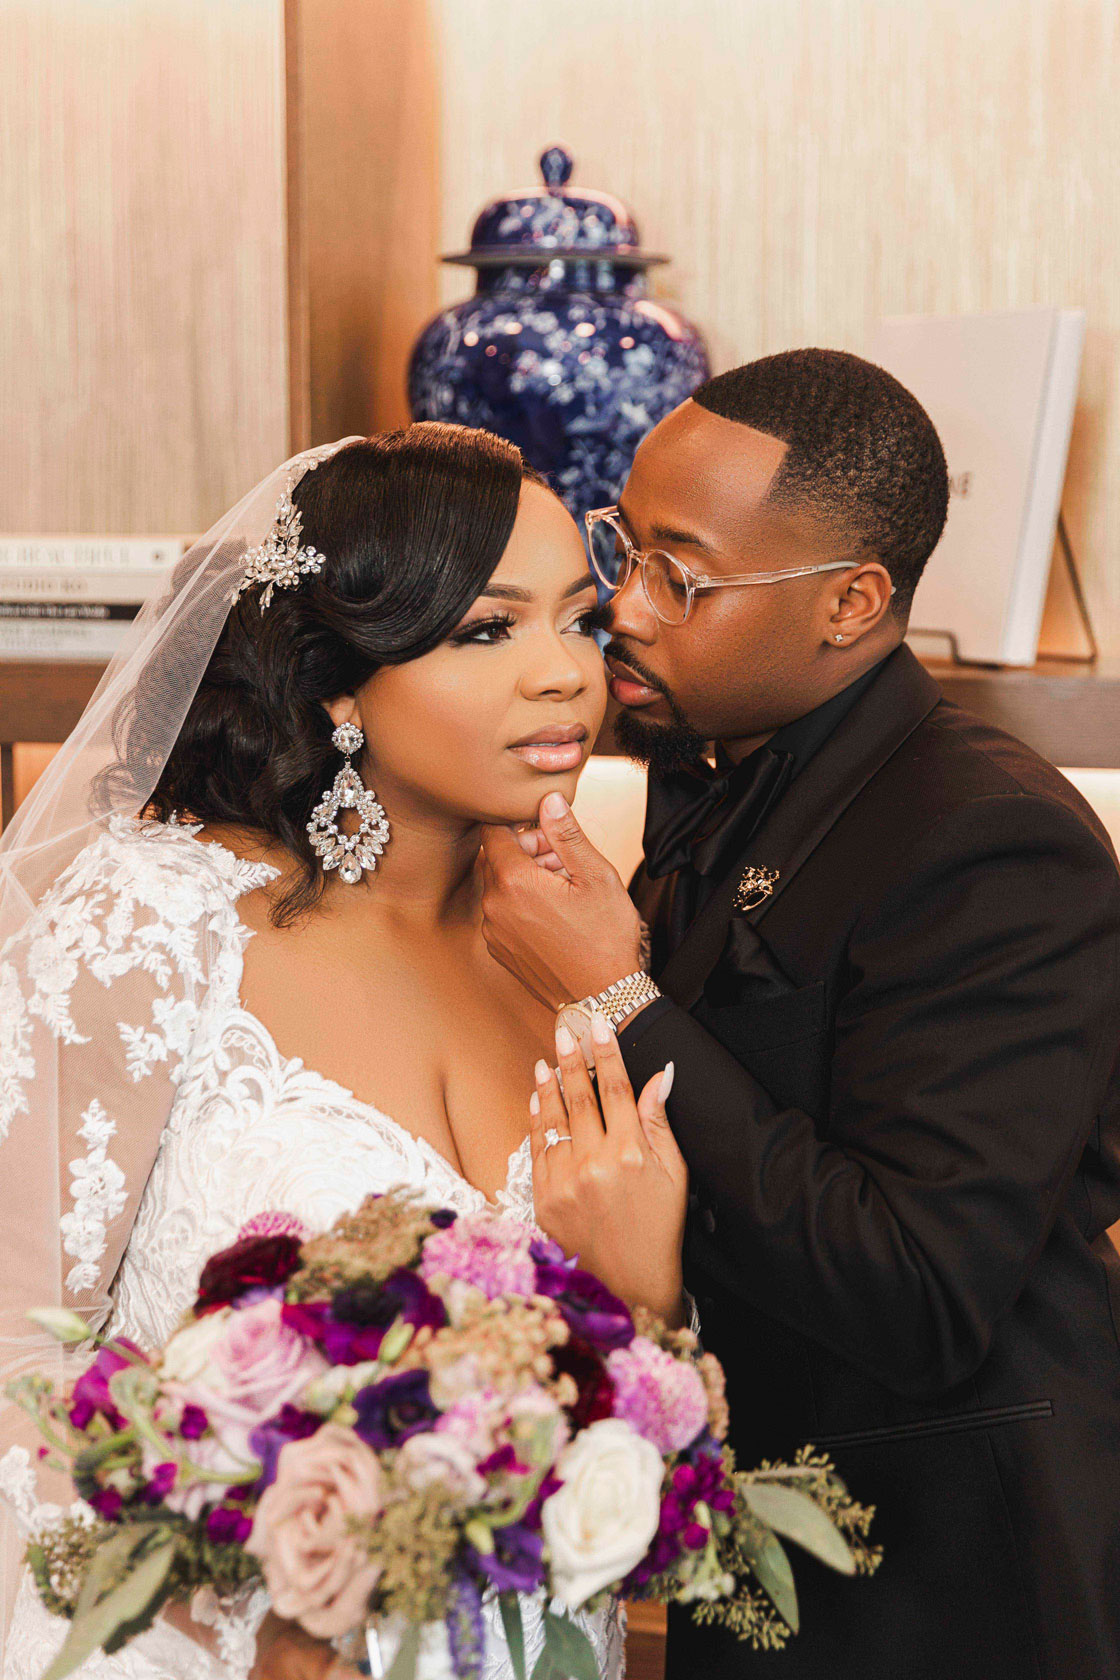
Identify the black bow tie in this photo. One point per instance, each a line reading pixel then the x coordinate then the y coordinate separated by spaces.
pixel 692 814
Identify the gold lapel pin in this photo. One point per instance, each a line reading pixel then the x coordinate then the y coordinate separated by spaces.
pixel 755 886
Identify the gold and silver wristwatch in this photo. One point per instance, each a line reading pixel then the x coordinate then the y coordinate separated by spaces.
pixel 617 1002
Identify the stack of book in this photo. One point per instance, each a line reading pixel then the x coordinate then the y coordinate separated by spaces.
pixel 75 597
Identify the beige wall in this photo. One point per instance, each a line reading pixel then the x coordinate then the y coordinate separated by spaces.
pixel 143 336
pixel 811 164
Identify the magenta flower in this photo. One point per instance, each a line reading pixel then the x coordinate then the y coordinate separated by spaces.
pixel 91 1391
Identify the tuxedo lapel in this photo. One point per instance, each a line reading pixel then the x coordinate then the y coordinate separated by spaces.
pixel 893 707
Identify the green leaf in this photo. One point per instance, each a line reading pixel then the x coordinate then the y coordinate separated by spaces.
pixel 544 1668
pixel 800 1519
pixel 771 1567
pixel 572 1653
pixel 96 1622
pixel 510 1606
pixel 403 1666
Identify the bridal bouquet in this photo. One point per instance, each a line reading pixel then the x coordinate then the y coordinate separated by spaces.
pixel 392 1421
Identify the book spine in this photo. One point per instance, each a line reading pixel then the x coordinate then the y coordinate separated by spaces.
pixel 46 612
pixel 85 553
pixel 61 639
pixel 22 583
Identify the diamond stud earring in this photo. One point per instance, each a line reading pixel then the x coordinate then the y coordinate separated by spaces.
pixel 350 854
pixel 839 638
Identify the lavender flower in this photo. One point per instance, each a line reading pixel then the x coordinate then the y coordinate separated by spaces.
pixel 392 1410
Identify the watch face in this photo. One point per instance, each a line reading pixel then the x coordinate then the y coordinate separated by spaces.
pixel 578 1023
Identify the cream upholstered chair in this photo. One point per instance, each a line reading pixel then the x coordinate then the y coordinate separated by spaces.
pixel 611 805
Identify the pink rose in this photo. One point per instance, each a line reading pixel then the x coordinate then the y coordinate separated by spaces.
pixel 316 1570
pixel 256 1365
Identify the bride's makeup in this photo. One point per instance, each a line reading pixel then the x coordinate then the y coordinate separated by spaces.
pixel 507 707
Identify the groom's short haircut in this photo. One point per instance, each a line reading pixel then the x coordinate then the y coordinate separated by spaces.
pixel 863 454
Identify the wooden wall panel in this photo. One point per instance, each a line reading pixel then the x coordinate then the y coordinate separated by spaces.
pixel 367 150
pixel 811 164
pixel 143 334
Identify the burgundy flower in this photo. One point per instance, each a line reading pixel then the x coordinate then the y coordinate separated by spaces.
pixel 91 1391
pixel 392 1410
pixel 251 1263
pixel 589 1308
pixel 578 1360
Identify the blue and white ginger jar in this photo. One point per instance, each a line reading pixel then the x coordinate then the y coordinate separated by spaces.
pixel 559 350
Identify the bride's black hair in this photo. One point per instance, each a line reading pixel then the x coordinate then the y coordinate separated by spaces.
pixel 413 524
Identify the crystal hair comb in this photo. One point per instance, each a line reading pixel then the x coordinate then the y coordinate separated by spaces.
pixel 280 561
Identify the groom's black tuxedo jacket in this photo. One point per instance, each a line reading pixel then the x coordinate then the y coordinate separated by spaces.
pixel 898 1093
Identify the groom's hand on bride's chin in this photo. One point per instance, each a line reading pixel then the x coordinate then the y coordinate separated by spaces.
pixel 564 932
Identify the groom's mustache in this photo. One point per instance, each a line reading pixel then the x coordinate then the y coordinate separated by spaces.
pixel 615 650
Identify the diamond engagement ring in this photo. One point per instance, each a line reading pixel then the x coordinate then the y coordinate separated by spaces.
pixel 553 1136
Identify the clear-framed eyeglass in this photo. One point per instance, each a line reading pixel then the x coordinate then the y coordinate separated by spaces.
pixel 668 584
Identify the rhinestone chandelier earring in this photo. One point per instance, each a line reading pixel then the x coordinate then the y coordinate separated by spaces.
pixel 350 854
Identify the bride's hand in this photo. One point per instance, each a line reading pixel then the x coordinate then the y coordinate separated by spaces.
pixel 616 1194
pixel 286 1652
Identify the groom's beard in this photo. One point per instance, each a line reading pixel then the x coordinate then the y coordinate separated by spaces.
pixel 663 746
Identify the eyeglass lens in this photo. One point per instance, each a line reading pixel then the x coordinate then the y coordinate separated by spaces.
pixel 663 578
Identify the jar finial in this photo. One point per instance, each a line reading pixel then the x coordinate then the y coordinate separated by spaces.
pixel 556 166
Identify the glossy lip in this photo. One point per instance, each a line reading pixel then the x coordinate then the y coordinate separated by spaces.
pixel 554 735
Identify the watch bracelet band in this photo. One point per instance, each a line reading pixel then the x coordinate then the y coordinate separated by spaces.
pixel 620 1000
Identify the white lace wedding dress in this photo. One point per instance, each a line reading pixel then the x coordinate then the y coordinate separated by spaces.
pixel 151 912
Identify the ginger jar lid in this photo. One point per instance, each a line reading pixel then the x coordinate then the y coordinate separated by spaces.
pixel 537 226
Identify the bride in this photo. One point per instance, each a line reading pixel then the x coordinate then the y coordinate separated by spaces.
pixel 220 995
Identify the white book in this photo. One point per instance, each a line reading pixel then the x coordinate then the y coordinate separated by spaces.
pixel 67 583
pixel 1001 391
pixel 91 639
pixel 82 553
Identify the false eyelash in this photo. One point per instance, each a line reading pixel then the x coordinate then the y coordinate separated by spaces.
pixel 595 618
pixel 469 633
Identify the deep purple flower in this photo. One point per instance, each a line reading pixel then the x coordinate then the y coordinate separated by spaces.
pixel 695 1537
pixel 442 1218
pixel 194 1423
pixel 392 1410
pixel 340 1344
pixel 516 1563
pixel 546 1252
pixel 251 1263
pixel 270 1438
pixel 350 1328
pixel 160 1483
pixel 227 1526
pixel 402 1295
pixel 588 1306
pixel 91 1391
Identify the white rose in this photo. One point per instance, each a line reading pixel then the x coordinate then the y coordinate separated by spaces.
pixel 600 1523
pixel 187 1355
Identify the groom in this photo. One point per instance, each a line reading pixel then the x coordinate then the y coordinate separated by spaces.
pixel 887 939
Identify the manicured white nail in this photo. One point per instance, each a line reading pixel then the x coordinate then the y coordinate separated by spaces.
pixel 666 1084
pixel 600 1027
pixel 535 1101
pixel 554 805
pixel 565 1043
pixel 542 1073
